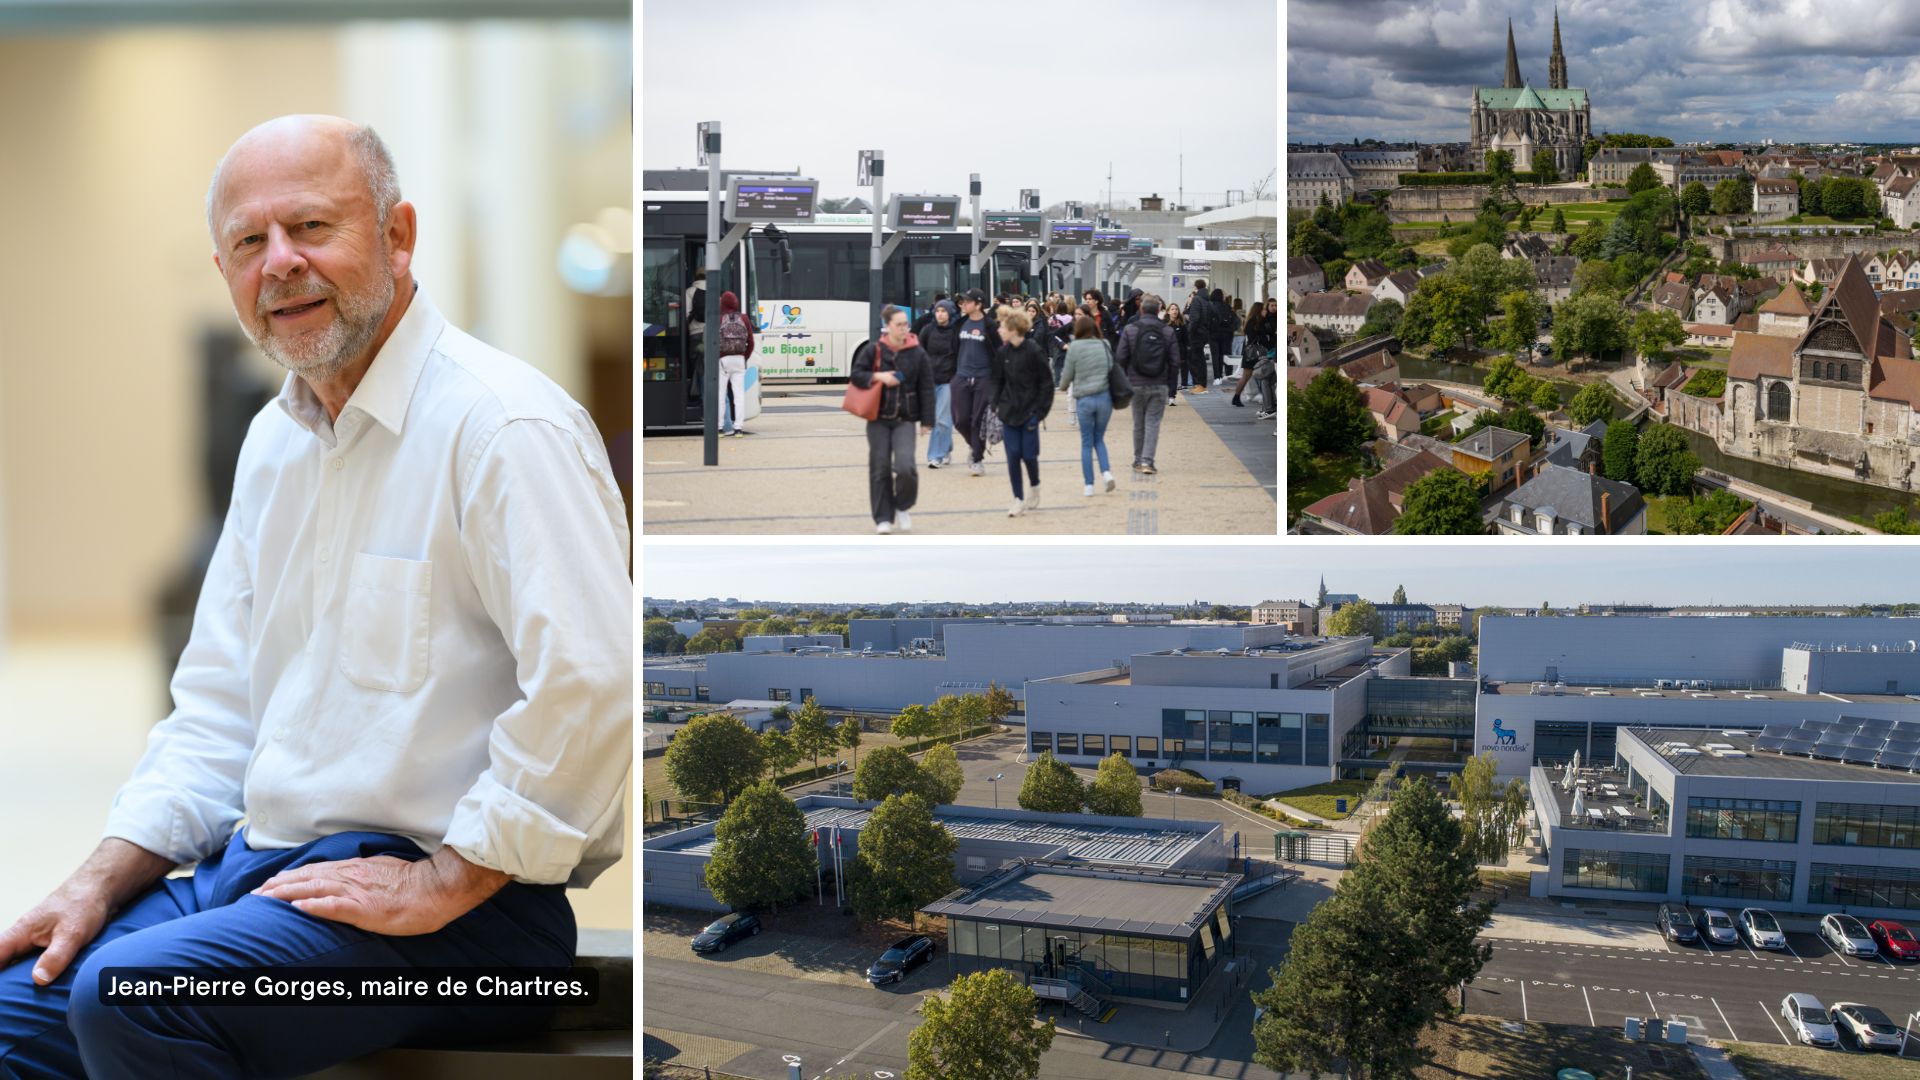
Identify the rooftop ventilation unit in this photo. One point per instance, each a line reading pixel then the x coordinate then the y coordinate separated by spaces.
pixel 1686 751
pixel 1666 684
pixel 1223 652
pixel 1599 693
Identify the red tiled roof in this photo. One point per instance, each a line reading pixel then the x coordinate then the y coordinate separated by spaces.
pixel 1368 505
pixel 1755 355
pixel 1789 302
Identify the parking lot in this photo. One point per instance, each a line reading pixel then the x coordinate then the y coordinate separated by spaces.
pixel 1722 992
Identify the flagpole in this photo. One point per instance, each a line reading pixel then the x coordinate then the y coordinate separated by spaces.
pixel 819 882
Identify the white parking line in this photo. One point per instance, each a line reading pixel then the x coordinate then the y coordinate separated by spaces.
pixel 1724 1020
pixel 1790 948
pixel 1749 948
pixel 1775 1023
pixel 1651 1005
pixel 1591 1022
pixel 1707 944
pixel 1523 1000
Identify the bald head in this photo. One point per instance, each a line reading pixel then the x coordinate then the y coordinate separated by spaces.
pixel 326 150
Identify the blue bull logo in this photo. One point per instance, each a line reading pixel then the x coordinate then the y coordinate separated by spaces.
pixel 1502 734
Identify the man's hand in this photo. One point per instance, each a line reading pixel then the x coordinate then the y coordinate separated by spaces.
pixel 388 895
pixel 72 915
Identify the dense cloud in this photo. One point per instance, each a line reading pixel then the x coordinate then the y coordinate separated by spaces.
pixel 1732 70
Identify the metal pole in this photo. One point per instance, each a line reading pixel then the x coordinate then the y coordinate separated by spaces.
pixel 973 244
pixel 710 339
pixel 873 286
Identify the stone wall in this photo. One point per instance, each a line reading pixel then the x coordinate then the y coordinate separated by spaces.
pixel 1694 413
pixel 1428 203
pixel 1806 247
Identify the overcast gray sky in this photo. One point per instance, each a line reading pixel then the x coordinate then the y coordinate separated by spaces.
pixel 1044 88
pixel 1715 70
pixel 1480 573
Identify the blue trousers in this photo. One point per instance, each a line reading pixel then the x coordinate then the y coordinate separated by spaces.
pixel 209 920
pixel 1023 445
pixel 1094 411
pixel 940 443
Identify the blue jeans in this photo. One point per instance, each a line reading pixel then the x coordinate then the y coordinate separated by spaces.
pixel 1023 445
pixel 1093 412
pixel 65 1031
pixel 940 443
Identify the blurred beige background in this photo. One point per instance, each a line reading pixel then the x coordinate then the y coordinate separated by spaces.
pixel 514 141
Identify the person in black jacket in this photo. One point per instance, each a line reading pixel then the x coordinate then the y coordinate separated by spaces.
pixel 1199 323
pixel 926 317
pixel 898 363
pixel 1022 396
pixel 1221 325
pixel 1149 353
pixel 941 338
pixel 979 340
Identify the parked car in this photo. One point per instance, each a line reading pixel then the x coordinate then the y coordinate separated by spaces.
pixel 1808 1020
pixel 1868 1027
pixel 726 930
pixel 1897 941
pixel 1676 923
pixel 901 957
pixel 1717 926
pixel 1847 936
pixel 1761 929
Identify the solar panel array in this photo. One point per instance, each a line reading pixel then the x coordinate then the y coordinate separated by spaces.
pixel 1883 744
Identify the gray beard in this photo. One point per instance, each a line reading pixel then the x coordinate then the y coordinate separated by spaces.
pixel 320 355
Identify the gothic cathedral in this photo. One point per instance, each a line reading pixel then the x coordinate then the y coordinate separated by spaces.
pixel 1522 120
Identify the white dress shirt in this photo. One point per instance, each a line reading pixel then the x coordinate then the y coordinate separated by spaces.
pixel 418 621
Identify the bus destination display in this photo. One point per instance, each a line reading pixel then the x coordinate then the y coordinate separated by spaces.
pixel 782 198
pixel 1011 225
pixel 1070 233
pixel 922 211
pixel 1111 241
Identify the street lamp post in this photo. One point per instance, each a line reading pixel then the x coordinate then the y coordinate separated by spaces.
pixel 995 781
pixel 1174 800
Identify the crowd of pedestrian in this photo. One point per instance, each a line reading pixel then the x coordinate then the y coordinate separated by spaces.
pixel 987 372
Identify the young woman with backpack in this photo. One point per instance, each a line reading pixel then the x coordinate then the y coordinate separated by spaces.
pixel 736 344
pixel 1086 373
pixel 1022 394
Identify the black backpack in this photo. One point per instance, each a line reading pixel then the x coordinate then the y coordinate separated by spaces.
pixel 1150 349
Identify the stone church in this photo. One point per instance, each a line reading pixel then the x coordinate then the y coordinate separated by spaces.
pixel 1833 389
pixel 1522 119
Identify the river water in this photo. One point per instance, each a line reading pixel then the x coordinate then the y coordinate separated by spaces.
pixel 1828 493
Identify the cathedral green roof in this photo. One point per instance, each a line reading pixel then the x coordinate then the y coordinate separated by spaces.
pixel 1526 97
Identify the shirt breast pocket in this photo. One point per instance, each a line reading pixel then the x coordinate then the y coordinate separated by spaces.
pixel 384 640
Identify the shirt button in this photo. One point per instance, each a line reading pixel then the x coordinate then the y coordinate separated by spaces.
pixel 338 464
pixel 279 734
pixel 260 818
pixel 325 553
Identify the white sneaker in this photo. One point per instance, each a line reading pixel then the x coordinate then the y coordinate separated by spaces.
pixel 1014 510
pixel 1108 477
pixel 1033 498
pixel 1086 490
pixel 902 521
pixel 883 528
pixel 974 469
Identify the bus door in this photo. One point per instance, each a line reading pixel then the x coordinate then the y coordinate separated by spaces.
pixel 674 363
pixel 927 275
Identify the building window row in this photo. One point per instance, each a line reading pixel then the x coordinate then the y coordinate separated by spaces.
pixel 1228 735
pixel 1774 820
pixel 1863 886
pixel 656 689
pixel 1741 879
pixel 680 691
pixel 775 693
pixel 1624 871
pixel 1866 825
pixel 1073 743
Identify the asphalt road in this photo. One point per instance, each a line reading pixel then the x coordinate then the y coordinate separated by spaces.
pixel 844 1030
pixel 1725 992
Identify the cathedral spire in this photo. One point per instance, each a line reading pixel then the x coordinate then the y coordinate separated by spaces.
pixel 1513 61
pixel 1557 67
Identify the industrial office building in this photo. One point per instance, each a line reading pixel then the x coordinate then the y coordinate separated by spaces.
pixel 1812 816
pixel 1553 686
pixel 930 658
pixel 673 865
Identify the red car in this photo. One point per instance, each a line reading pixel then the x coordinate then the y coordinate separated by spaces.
pixel 1896 940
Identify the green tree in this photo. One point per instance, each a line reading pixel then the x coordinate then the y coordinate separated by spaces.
pixel 660 638
pixel 1593 402
pixel 1704 515
pixel 1500 168
pixel 905 860
pixel 1654 332
pixel 1559 220
pixel 983 1029
pixel 813 732
pixel 712 639
pixel 1588 324
pixel 1336 413
pixel 1382 318
pixel 1694 198
pixel 940 769
pixel 1641 179
pixel 713 759
pixel 850 732
pixel 1115 789
pixel 776 624
pixel 1445 502
pixel 999 702
pixel 1545 170
pixel 1519 325
pixel 1896 522
pixel 1503 378
pixel 1359 618
pixel 1051 787
pixel 886 771
pixel 1476 616
pixel 761 857
pixel 1399 594
pixel 914 722
pixel 1522 419
pixel 1546 396
pixel 778 753
pixel 1453 315
pixel 1730 196
pixel 1664 462
pixel 1618 450
pixel 1488 824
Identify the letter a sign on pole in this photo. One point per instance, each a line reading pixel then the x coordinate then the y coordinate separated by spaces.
pixel 866 170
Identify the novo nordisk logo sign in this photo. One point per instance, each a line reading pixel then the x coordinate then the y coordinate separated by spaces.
pixel 1505 740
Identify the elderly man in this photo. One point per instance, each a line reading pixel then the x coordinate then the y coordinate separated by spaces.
pixel 410 678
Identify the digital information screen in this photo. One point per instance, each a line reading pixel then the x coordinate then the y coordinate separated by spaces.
pixel 1011 224
pixel 1221 243
pixel 1070 233
pixel 1142 246
pixel 771 198
pixel 923 211
pixel 1111 241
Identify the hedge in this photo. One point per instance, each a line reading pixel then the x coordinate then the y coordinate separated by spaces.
pixel 811 772
pixel 1459 179
pixel 1188 783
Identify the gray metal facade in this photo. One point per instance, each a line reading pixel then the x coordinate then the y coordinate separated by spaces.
pixel 1627 648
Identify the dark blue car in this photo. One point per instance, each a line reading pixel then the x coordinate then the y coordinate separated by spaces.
pixel 903 956
pixel 726 930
